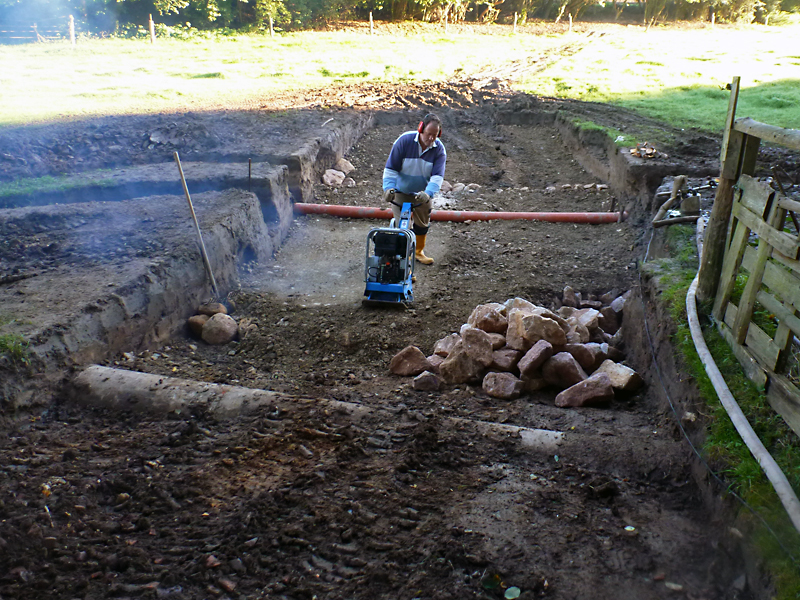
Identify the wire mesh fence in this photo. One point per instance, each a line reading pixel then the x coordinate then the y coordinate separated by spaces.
pixel 41 30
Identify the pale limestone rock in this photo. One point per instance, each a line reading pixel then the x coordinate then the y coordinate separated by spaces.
pixel 333 178
pixel 409 361
pixel 580 329
pixel 220 329
pixel 587 317
pixel 478 345
pixel 459 367
pixel 594 391
pixel 212 308
pixel 618 304
pixel 446 187
pixel 530 364
pixel 457 188
pixel 515 334
pixel 565 312
pixel 427 382
pixel 344 165
pixel 502 385
pixel 498 340
pixel 349 182
pixel 595 304
pixel 539 327
pixel 519 303
pixel 490 318
pixel 445 345
pixel 505 359
pixel 562 370
pixel 609 296
pixel 622 378
pixel 196 324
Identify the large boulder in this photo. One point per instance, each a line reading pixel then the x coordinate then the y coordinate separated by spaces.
pixel 525 329
pixel 562 370
pixel 530 363
pixel 409 361
pixel 220 329
pixel 502 385
pixel 460 367
pixel 489 317
pixel 344 165
pixel 333 178
pixel 622 378
pixel 589 356
pixel 594 391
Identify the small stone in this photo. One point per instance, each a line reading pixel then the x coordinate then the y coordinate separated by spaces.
pixel 237 565
pixel 568 297
pixel 435 360
pixel 196 324
pixel 344 165
pixel 502 385
pixel 227 585
pixel 212 562
pixel 427 382
pixel 212 308
pixel 594 391
pixel 408 362
pixel 562 370
pixel 622 378
pixel 535 357
pixel 349 182
pixel 333 178
pixel 220 329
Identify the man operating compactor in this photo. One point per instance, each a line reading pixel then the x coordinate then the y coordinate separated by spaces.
pixel 414 173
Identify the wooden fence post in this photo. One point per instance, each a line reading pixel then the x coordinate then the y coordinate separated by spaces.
pixel 371 27
pixel 515 22
pixel 152 31
pixel 271 29
pixel 445 22
pixel 570 22
pixel 717 229
pixel 72 30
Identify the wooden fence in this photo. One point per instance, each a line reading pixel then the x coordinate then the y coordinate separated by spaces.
pixel 761 251
pixel 43 30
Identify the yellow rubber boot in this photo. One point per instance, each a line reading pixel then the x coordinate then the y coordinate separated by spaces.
pixel 419 254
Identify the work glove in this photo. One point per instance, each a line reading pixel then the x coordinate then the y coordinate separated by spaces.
pixel 388 195
pixel 423 197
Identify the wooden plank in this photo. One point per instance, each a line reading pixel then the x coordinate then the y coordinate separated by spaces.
pixel 792 205
pixel 784 315
pixel 783 340
pixel 751 288
pixel 755 195
pixel 731 311
pixel 749 364
pixel 733 157
pixel 730 268
pixel 762 347
pixel 783 284
pixel 794 265
pixel 778 135
pixel 784 398
pixel 750 155
pixel 783 242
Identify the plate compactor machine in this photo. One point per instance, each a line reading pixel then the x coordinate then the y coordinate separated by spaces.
pixel 389 268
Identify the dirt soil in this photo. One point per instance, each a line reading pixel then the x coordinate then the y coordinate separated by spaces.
pixel 401 503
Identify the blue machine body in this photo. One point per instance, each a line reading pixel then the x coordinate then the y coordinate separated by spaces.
pixel 389 265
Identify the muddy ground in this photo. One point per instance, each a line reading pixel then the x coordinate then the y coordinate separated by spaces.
pixel 405 501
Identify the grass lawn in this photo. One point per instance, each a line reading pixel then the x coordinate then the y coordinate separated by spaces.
pixel 676 74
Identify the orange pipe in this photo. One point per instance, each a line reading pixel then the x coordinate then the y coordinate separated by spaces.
pixel 459 216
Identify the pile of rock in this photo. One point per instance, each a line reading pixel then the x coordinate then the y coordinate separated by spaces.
pixel 338 175
pixel 213 325
pixel 519 347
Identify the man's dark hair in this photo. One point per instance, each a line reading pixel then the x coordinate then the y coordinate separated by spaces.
pixel 431 118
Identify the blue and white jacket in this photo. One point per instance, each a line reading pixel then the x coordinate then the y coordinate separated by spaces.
pixel 410 170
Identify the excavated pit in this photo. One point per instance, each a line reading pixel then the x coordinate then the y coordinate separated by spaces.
pixel 375 489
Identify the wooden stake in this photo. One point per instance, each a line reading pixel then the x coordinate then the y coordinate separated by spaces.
pixel 713 18
pixel 271 29
pixel 72 30
pixel 570 22
pixel 371 27
pixel 515 22
pixel 445 22
pixel 717 229
pixel 152 31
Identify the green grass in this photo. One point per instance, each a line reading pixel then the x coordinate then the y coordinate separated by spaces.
pixel 620 139
pixel 42 185
pixel 675 75
pixel 679 76
pixel 13 345
pixel 724 448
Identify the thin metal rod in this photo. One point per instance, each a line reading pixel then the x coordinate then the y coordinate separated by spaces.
pixel 203 252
